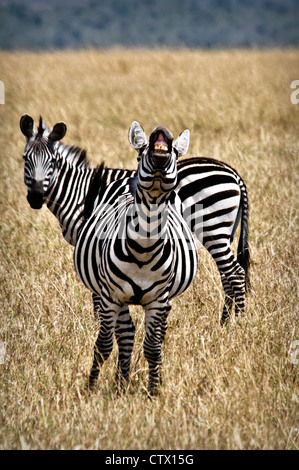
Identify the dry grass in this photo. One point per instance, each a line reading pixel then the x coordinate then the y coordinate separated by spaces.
pixel 224 388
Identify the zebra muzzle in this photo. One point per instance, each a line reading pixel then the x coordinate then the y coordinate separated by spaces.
pixel 159 161
pixel 36 195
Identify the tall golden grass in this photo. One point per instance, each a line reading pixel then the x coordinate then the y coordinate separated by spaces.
pixel 223 388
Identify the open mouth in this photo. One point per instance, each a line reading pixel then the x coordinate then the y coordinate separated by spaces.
pixel 162 149
pixel 161 146
pixel 161 152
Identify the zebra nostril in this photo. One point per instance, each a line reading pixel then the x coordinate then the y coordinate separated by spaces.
pixel 36 194
pixel 36 186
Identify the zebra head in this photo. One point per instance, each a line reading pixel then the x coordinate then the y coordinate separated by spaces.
pixel 158 157
pixel 39 156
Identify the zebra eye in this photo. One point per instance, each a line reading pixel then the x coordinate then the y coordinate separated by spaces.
pixel 24 156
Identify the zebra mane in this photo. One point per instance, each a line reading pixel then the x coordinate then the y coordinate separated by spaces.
pixel 75 156
pixel 41 128
pixel 97 182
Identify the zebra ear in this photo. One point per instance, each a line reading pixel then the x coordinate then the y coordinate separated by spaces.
pixel 58 132
pixel 181 144
pixel 137 137
pixel 26 126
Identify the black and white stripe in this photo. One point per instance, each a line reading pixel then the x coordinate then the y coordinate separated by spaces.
pixel 136 248
pixel 59 175
pixel 214 200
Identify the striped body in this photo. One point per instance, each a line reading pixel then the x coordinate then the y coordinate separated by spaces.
pixel 106 237
pixel 213 196
pixel 136 248
pixel 69 187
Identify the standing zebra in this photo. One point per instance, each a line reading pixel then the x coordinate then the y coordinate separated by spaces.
pixel 60 176
pixel 136 248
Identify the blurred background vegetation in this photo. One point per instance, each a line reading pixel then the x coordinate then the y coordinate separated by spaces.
pixel 41 24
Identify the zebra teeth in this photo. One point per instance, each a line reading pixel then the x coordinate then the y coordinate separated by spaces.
pixel 161 148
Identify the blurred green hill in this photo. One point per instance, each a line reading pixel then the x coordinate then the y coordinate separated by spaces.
pixel 40 24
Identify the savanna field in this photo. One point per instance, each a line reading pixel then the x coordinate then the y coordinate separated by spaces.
pixel 233 387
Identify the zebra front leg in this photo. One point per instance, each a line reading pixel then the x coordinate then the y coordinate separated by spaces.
pixel 96 306
pixel 104 343
pixel 155 329
pixel 124 332
pixel 164 320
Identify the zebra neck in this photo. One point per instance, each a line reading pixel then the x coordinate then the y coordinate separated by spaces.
pixel 67 197
pixel 147 228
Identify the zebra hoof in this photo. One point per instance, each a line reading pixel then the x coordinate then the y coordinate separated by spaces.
pixel 121 385
pixel 153 392
pixel 90 386
pixel 224 320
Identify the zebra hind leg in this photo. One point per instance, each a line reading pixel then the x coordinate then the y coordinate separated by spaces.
pixel 238 286
pixel 234 288
pixel 124 333
pixel 228 301
pixel 232 278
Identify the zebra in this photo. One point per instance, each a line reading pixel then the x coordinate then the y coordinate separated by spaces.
pixel 136 248
pixel 214 200
pixel 60 176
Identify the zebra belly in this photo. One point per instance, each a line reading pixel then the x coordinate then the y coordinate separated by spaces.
pixel 140 285
pixel 142 288
pixel 133 280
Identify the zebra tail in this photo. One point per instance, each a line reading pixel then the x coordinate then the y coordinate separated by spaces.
pixel 243 256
